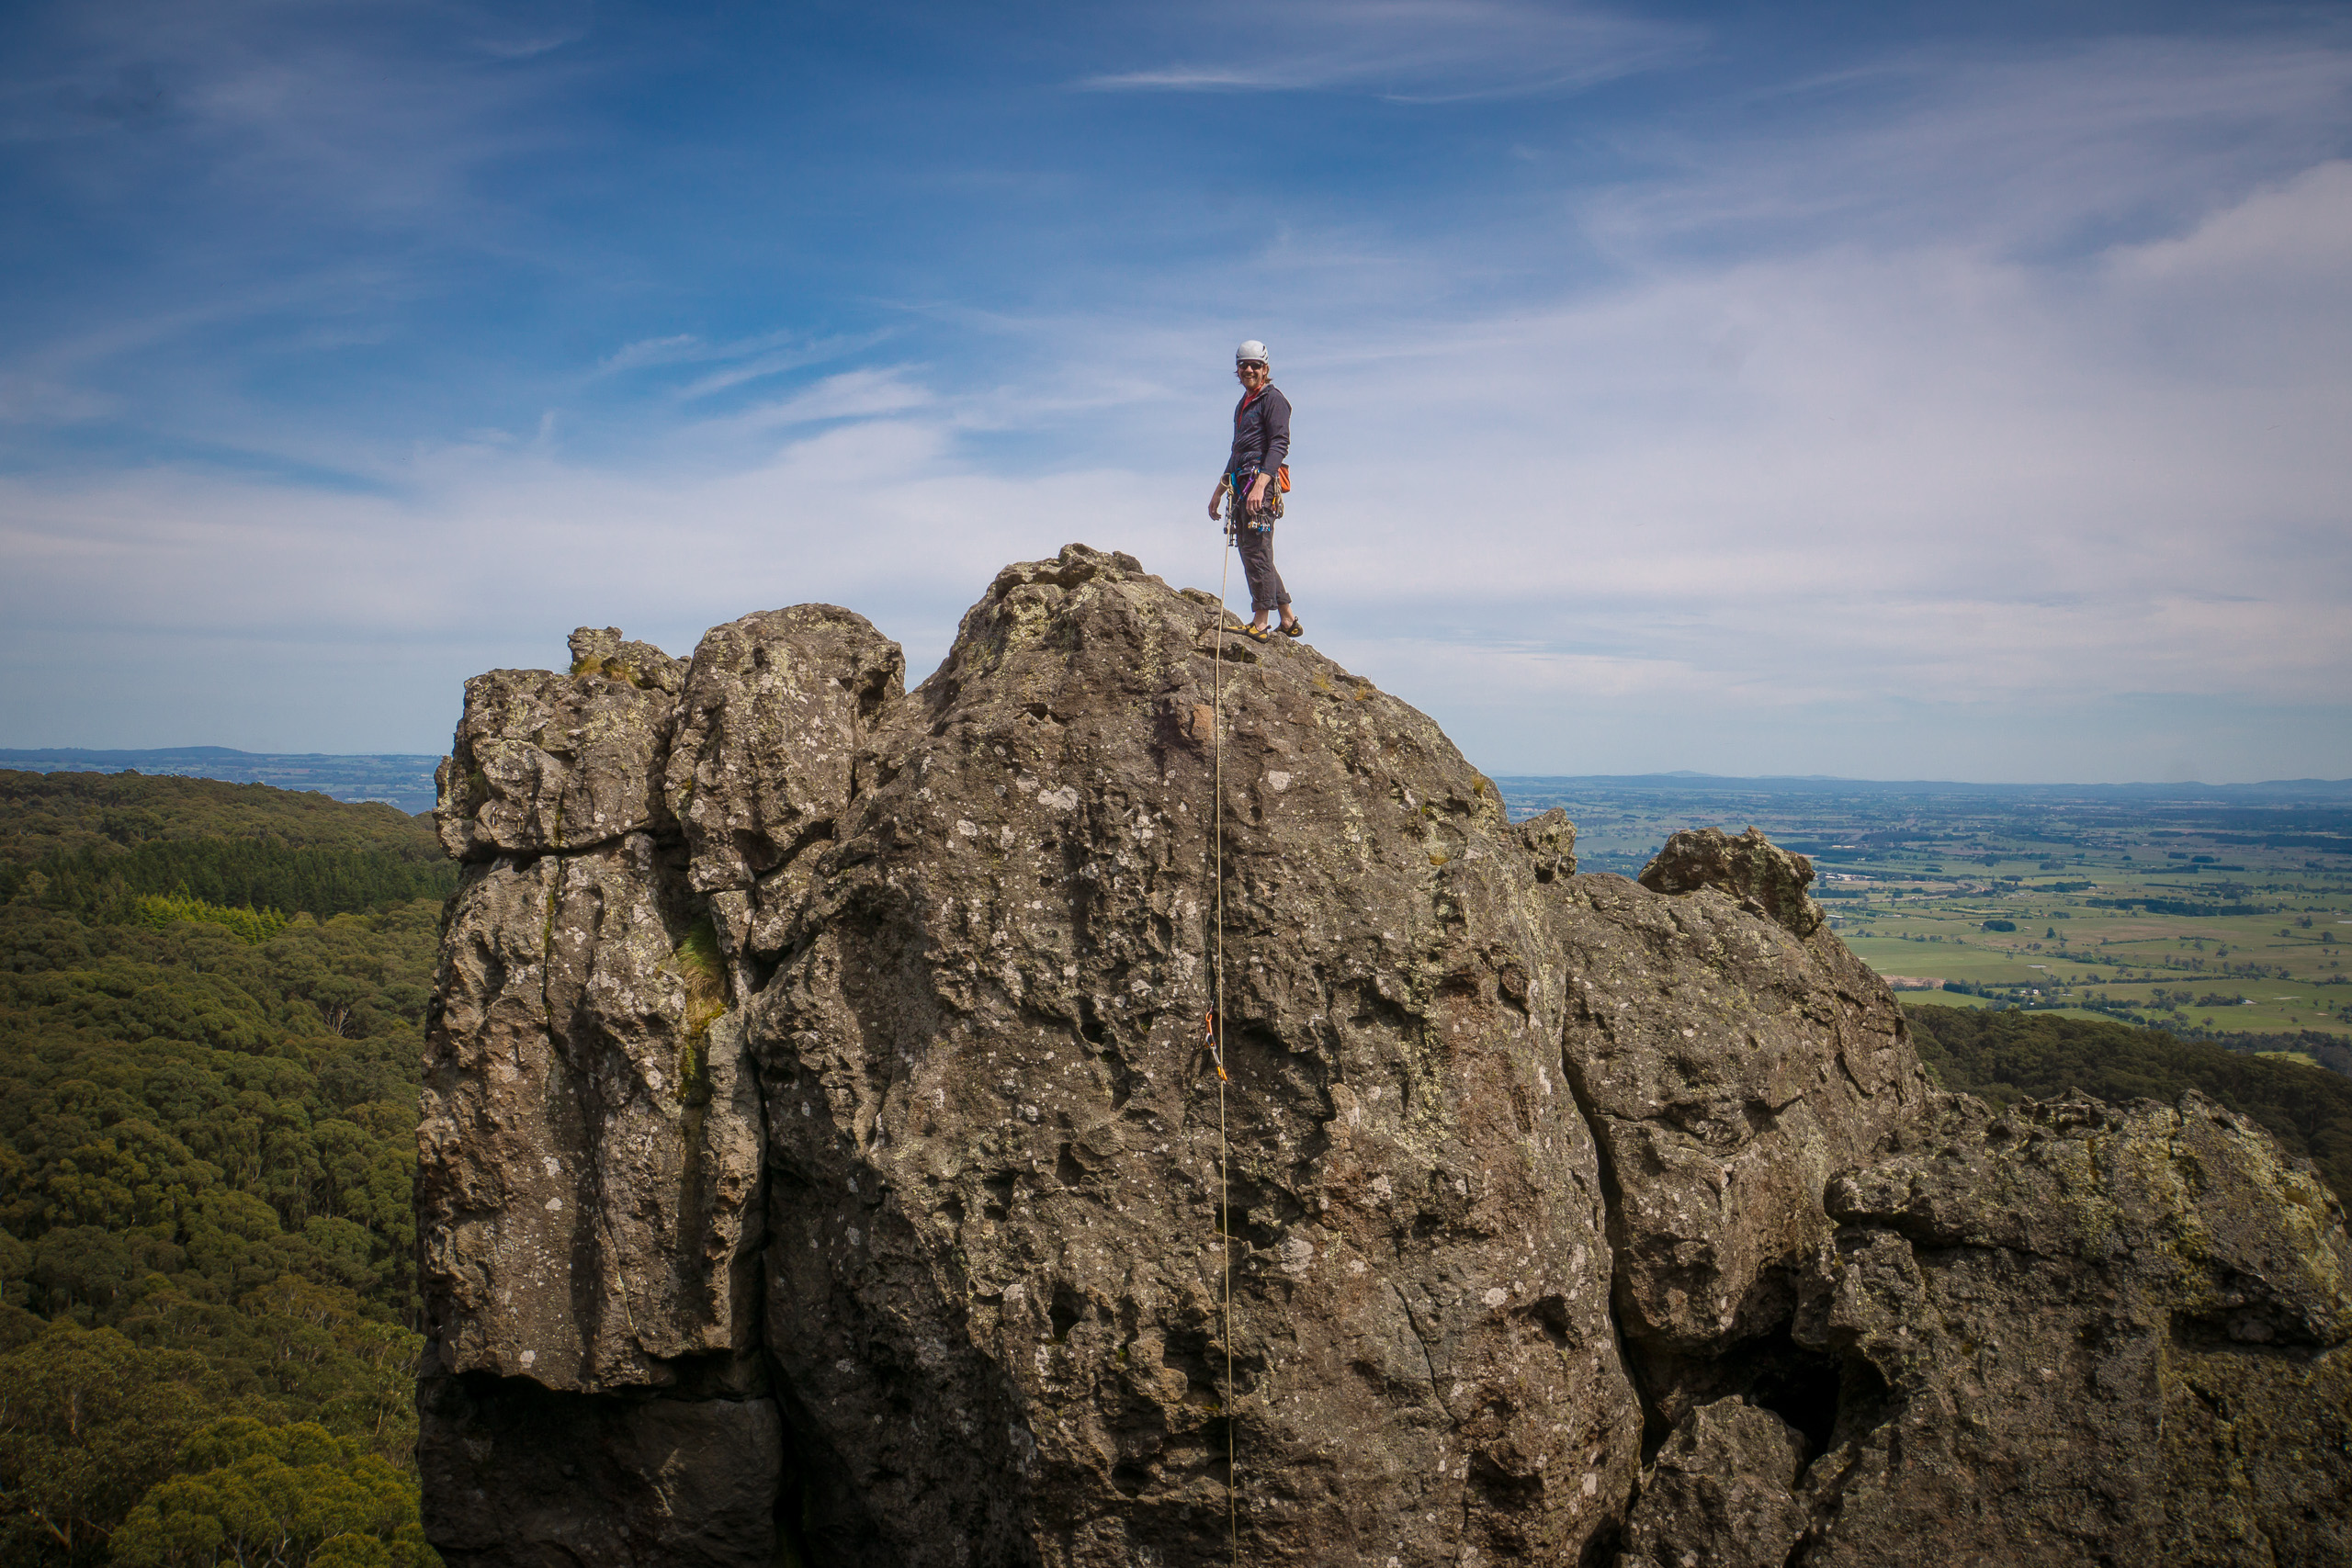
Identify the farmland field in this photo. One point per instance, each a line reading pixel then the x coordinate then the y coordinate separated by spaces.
pixel 2206 910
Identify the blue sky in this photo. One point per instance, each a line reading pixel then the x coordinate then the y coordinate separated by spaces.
pixel 1860 390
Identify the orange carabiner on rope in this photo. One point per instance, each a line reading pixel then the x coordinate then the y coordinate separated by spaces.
pixel 1209 1037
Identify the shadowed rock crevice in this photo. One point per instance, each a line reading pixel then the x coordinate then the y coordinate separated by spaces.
pixel 521 1473
pixel 820 1154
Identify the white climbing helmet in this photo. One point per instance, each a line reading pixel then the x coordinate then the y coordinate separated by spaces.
pixel 1250 353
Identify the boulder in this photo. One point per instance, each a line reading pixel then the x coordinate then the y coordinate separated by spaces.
pixel 546 763
pixel 1551 841
pixel 604 651
pixel 1721 1492
pixel 2102 1334
pixel 1728 1068
pixel 1750 869
pixel 776 707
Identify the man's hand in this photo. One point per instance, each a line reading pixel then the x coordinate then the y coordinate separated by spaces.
pixel 1257 494
pixel 1215 497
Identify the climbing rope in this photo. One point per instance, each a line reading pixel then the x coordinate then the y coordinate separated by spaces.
pixel 1216 1031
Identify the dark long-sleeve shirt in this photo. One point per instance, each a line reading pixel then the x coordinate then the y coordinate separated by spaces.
pixel 1261 436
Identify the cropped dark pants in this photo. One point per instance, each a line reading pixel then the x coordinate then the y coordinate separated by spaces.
pixel 1255 538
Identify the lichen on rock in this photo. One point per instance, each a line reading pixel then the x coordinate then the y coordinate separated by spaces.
pixel 2104 1331
pixel 604 651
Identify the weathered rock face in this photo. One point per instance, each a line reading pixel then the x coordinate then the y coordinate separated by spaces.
pixel 591 1137
pixel 519 1474
pixel 1722 1491
pixel 603 652
pixel 996 1135
pixel 1765 879
pixel 2105 1335
pixel 1729 1068
pixel 832 1157
pixel 776 707
pixel 546 763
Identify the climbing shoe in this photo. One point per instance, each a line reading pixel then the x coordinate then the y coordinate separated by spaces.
pixel 1254 635
pixel 1297 628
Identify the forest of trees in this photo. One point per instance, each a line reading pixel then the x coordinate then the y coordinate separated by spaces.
pixel 95 844
pixel 212 1000
pixel 2018 1055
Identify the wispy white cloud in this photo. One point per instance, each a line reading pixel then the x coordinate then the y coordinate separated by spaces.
pixel 524 29
pixel 2296 234
pixel 778 361
pixel 739 361
pixel 1185 79
pixel 2061 149
pixel 853 395
pixel 251 180
pixel 677 348
pixel 1421 50
pixel 338 106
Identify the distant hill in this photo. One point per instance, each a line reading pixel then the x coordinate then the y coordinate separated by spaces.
pixel 405 780
pixel 2274 790
pixel 397 779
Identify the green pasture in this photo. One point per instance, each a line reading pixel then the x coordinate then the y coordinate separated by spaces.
pixel 1946 960
pixel 2154 962
pixel 1895 871
pixel 1942 999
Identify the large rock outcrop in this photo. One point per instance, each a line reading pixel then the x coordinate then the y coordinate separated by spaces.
pixel 995 1135
pixel 825 1155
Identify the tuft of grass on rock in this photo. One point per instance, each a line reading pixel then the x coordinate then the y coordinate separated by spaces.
pixel 703 969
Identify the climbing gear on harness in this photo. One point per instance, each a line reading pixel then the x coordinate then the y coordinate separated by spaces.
pixel 1270 505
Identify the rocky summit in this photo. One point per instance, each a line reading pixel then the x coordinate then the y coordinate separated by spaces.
pixel 825 1161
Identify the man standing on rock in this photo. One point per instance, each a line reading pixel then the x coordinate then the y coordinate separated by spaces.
pixel 1252 478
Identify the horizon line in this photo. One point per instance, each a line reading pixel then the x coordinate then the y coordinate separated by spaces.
pixel 1677 775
